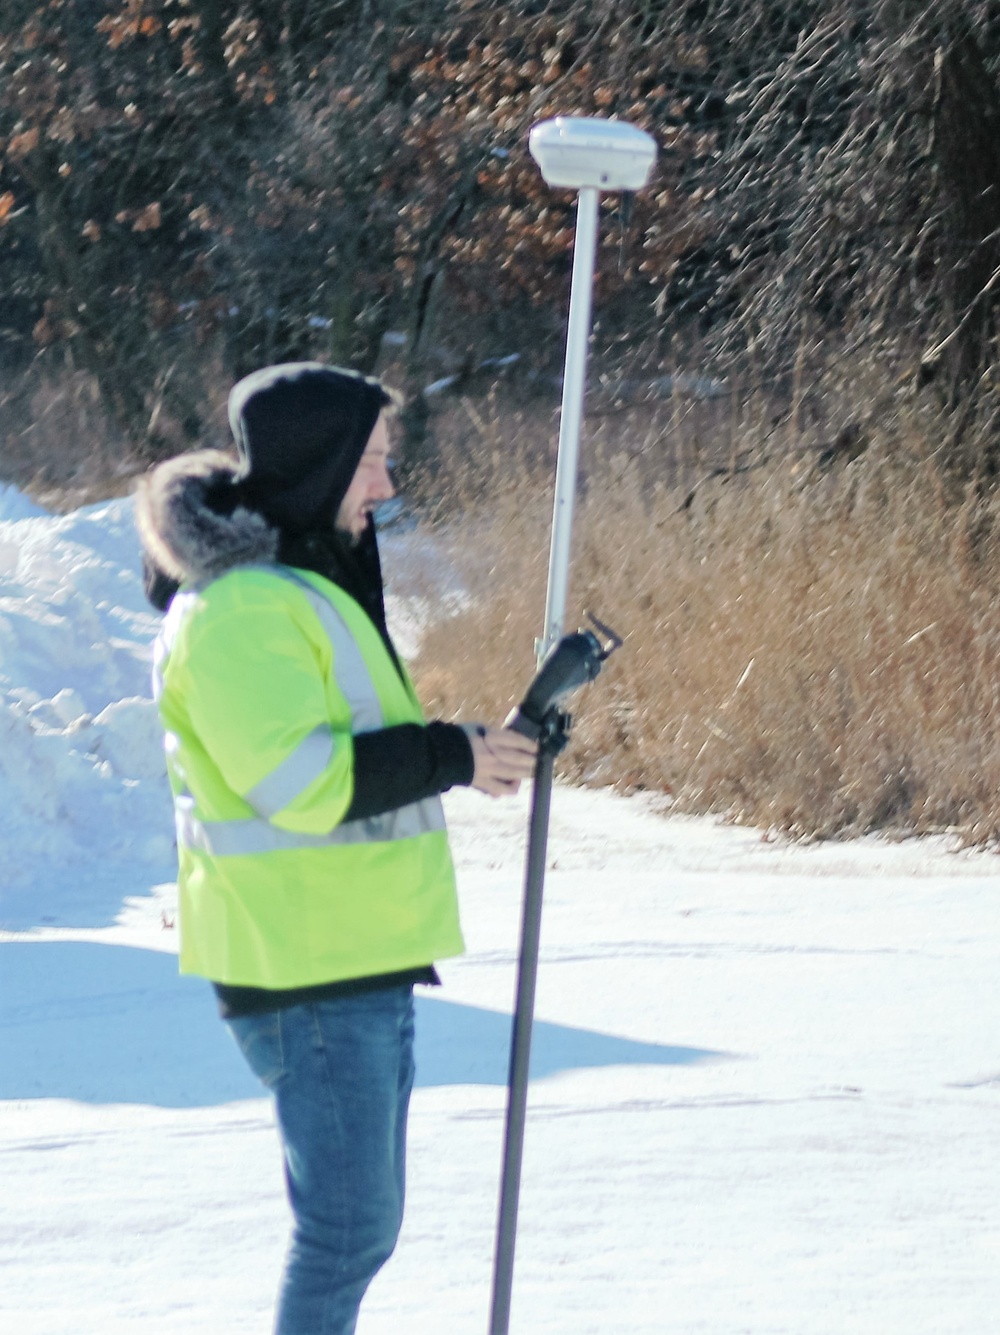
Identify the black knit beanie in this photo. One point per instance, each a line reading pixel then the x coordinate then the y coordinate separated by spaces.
pixel 301 428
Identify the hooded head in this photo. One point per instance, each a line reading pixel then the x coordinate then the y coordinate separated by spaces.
pixel 300 429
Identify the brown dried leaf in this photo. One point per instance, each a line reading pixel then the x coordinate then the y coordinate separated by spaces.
pixel 23 143
pixel 148 219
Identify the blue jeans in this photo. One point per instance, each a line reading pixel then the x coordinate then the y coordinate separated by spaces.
pixel 341 1072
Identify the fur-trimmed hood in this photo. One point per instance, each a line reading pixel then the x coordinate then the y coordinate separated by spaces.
pixel 191 522
pixel 300 430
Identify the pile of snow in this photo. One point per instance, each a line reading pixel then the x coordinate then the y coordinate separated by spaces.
pixel 82 779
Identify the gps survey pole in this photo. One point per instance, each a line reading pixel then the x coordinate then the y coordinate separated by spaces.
pixel 588 156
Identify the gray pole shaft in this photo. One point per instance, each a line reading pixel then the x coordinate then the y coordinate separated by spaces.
pixel 520 1050
pixel 571 416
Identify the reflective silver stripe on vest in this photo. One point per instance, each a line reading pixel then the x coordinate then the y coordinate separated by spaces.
pixel 249 838
pixel 353 678
pixel 295 773
pixel 246 838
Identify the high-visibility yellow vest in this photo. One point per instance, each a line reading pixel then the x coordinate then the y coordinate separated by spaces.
pixel 263 677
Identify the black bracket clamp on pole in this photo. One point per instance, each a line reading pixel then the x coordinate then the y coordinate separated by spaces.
pixel 570 663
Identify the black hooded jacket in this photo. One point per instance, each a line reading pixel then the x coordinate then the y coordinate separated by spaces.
pixel 204 513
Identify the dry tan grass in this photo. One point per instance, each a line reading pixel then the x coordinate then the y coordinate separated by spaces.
pixel 65 452
pixel 59 444
pixel 816 654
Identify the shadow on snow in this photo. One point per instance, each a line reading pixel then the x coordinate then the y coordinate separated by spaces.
pixel 113 1024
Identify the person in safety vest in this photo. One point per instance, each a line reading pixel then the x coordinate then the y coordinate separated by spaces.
pixel 315 880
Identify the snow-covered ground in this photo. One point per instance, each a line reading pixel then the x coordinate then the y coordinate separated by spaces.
pixel 766 1091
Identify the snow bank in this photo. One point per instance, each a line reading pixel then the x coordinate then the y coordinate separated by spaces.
pixel 82 779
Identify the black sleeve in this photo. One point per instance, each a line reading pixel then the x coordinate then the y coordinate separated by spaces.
pixel 403 764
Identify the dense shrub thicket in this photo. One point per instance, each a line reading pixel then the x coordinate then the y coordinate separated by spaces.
pixel 192 187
